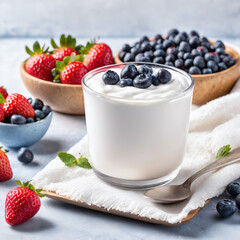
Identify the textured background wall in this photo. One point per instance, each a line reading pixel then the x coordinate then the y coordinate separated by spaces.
pixel 124 18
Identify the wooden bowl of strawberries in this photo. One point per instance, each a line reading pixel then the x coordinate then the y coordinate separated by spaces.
pixel 56 76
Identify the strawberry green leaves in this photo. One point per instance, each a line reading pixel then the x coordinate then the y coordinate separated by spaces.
pixel 36 49
pixel 2 99
pixel 31 187
pixel 69 160
pixel 223 151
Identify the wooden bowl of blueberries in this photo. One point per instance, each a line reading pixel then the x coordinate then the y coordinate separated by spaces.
pixel 214 66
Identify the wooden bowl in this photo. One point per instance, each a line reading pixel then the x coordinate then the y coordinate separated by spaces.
pixel 64 98
pixel 210 86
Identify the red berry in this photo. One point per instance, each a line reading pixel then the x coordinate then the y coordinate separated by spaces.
pixel 61 53
pixel 17 104
pixel 3 91
pixel 5 168
pixel 2 115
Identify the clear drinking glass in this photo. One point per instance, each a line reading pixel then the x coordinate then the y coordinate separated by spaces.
pixel 137 143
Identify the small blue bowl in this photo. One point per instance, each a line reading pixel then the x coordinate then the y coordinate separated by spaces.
pixel 15 136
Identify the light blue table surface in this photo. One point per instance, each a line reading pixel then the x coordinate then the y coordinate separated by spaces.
pixel 57 220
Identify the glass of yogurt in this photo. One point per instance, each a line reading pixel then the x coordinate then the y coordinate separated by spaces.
pixel 137 136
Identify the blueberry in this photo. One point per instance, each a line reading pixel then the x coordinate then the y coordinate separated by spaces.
pixel 226 208
pixel 46 110
pixel 188 63
pixel 159 46
pixel 144 69
pixel 142 81
pixel 206 44
pixel 238 201
pixel 25 155
pixel 170 58
pixel 158 37
pixel 184 35
pixel 30 100
pixel 202 50
pixel 125 82
pixel 180 55
pixel 129 71
pixel 135 50
pixel 159 60
pixel 149 54
pixel 168 43
pixel 194 42
pixel 219 44
pixel 164 76
pixel 213 65
pixel 18 119
pixel 129 57
pixel 194 33
pixel 220 51
pixel 155 80
pixel 159 53
pixel 126 47
pixel 145 59
pixel 169 64
pixel 211 56
pixel 145 46
pixel 222 66
pixel 184 47
pixel 30 120
pixel 37 103
pixel 187 56
pixel 233 189
pixel 144 39
pixel 207 71
pixel 172 50
pixel 195 53
pixel 153 44
pixel 179 63
pixel 138 57
pixel 228 61
pixel 204 39
pixel 173 31
pixel 110 77
pixel 122 55
pixel 178 38
pixel 199 62
pixel 39 115
pixel 194 70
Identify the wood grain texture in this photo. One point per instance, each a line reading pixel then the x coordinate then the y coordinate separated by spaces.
pixel 64 98
pixel 210 86
pixel 65 199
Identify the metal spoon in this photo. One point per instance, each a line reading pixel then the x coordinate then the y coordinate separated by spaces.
pixel 176 193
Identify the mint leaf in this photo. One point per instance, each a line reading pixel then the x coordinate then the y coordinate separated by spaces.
pixel 83 162
pixel 68 159
pixel 2 99
pixel 223 151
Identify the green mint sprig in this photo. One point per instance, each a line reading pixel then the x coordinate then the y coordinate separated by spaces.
pixel 223 151
pixel 70 161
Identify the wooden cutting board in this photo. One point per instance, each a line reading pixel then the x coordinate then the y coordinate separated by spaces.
pixel 58 197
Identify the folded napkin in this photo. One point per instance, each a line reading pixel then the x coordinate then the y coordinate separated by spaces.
pixel 212 125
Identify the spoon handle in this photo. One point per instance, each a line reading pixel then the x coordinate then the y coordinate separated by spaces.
pixel 232 157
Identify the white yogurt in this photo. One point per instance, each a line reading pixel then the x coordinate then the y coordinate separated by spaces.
pixel 137 134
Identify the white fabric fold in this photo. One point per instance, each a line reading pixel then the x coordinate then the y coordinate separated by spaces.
pixel 212 125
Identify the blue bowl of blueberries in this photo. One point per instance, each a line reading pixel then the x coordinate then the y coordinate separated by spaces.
pixel 21 132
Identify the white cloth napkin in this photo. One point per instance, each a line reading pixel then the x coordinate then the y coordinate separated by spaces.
pixel 212 125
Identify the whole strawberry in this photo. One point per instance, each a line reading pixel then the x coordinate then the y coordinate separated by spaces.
pixel 5 168
pixel 97 55
pixel 67 47
pixel 40 63
pixel 70 70
pixel 16 103
pixel 3 91
pixel 22 203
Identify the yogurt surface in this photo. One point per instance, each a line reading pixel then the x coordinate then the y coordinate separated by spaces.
pixel 175 86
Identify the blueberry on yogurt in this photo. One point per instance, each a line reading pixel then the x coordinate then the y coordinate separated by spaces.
pixel 142 81
pixel 110 77
pixel 164 76
pixel 125 82
pixel 129 71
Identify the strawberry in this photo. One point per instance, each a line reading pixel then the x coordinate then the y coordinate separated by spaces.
pixel 5 168
pixel 70 70
pixel 22 203
pixel 96 55
pixel 17 104
pixel 40 63
pixel 3 91
pixel 67 47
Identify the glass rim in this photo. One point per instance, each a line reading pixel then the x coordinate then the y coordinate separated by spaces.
pixel 173 97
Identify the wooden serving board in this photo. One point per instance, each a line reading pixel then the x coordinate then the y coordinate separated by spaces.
pixel 62 198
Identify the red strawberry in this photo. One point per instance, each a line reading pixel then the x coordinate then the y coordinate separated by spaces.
pixel 97 55
pixel 5 168
pixel 3 91
pixel 67 47
pixel 17 104
pixel 2 115
pixel 70 70
pixel 40 63
pixel 22 203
